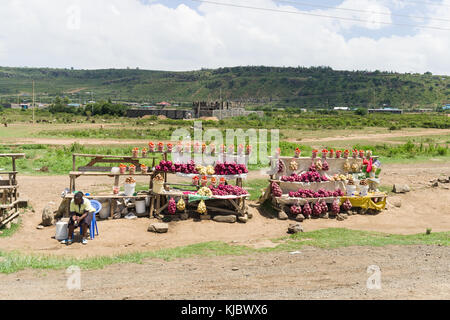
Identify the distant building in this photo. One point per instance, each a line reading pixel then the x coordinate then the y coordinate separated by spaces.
pixel 446 107
pixel 75 105
pixel 386 110
pixel 341 108
pixel 164 104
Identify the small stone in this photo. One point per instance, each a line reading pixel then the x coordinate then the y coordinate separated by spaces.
pixel 235 268
pixel 205 217
pixel 228 219
pixel 396 202
pixel 250 215
pixel 325 216
pixel 295 228
pixel 340 217
pixel 282 215
pixel 401 188
pixel 300 218
pixel 158 227
pixel 40 227
pixel 435 184
pixel 444 180
pixel 243 219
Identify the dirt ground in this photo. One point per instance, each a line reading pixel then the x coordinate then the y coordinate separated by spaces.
pixel 124 236
pixel 408 272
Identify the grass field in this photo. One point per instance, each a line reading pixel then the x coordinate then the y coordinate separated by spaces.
pixel 11 262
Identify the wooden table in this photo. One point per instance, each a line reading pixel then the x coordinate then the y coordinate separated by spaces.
pixel 8 190
pixel 101 158
pixel 76 174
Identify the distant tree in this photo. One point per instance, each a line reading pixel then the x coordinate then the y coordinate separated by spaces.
pixel 361 112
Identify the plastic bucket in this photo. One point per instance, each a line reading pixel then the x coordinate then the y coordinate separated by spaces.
pixel 62 230
pixel 363 190
pixel 104 212
pixel 140 207
pixel 129 189
pixel 351 190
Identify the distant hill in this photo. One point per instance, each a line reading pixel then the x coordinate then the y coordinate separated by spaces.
pixel 294 87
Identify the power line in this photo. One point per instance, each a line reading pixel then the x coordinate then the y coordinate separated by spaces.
pixel 362 11
pixel 430 3
pixel 319 15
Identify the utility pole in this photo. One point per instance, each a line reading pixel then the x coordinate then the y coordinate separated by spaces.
pixel 33 101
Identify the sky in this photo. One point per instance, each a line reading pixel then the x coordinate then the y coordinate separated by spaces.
pixel 386 35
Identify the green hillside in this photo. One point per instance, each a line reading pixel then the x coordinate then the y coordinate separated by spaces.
pixel 295 87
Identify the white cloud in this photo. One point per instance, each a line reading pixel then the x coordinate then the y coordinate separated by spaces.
pixel 121 33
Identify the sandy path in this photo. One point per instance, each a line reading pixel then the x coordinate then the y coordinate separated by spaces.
pixel 407 272
pixel 378 136
pixel 121 236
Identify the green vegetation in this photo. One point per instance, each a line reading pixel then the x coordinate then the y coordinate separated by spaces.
pixel 9 232
pixel 58 159
pixel 11 262
pixel 254 186
pixel 271 86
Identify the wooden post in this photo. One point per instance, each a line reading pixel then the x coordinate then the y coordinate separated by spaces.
pixel 73 162
pixel 14 164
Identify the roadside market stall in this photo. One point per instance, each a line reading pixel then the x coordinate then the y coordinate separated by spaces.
pixel 325 184
pixel 207 190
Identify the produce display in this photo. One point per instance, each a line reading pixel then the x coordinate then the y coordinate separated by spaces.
pixel 296 209
pixel 172 207
pixel 317 209
pixel 280 166
pixel 205 191
pixel 341 177
pixel 347 166
pixel 307 211
pixel 293 165
pixel 310 176
pixel 208 170
pixel 181 205
pixel 325 166
pixel 321 193
pixel 169 166
pixel 276 190
pixel 202 208
pixel 228 168
pixel 347 205
pixel 335 207
pixel 227 190
pixel 130 180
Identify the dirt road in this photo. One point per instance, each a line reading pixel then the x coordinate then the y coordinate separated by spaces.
pixel 407 272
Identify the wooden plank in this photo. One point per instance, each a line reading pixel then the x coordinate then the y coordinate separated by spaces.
pixel 220 209
pixel 114 156
pixel 81 173
pixel 13 155
pixel 7 206
pixel 70 196
pixel 12 217
pixel 9 187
